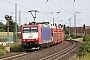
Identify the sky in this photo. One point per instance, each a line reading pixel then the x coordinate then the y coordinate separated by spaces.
pixel 47 9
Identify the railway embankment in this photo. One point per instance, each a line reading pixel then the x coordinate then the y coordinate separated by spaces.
pixel 62 49
pixel 76 39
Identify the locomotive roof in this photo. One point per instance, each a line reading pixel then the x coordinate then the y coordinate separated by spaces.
pixel 44 24
pixel 38 22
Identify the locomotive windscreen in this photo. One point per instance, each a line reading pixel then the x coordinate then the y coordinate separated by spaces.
pixel 30 29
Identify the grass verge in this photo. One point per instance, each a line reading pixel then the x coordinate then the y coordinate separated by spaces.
pixel 16 47
pixel 86 57
pixel 2 51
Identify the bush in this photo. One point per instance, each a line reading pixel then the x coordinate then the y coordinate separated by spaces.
pixel 86 38
pixel 2 50
pixel 2 47
pixel 76 36
pixel 73 36
pixel 16 48
pixel 84 46
pixel 66 36
pixel 79 36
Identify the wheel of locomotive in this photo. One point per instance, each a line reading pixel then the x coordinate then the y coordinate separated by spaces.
pixel 27 50
pixel 41 47
pixel 48 45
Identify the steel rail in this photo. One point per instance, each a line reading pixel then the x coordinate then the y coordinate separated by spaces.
pixel 13 56
pixel 60 53
pixel 65 54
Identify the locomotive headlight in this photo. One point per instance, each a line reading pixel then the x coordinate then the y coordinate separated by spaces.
pixel 36 39
pixel 23 40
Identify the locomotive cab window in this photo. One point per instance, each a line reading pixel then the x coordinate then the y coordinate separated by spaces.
pixel 26 30
pixel 31 29
pixel 34 29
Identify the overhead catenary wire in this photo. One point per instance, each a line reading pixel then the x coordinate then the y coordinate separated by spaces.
pixel 22 7
pixel 45 3
pixel 30 9
pixel 50 7
pixel 72 4
pixel 56 5
pixel 17 4
pixel 68 1
pixel 60 7
pixel 43 13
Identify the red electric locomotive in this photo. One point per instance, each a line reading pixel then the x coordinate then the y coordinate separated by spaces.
pixel 38 35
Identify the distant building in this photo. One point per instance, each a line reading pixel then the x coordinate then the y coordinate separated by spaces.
pixel 80 30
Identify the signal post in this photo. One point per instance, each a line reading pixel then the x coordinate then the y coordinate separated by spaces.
pixel 7 17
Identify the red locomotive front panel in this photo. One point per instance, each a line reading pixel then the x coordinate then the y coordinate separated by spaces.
pixel 30 35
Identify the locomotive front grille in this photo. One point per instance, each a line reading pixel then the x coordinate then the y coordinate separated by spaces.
pixel 29 44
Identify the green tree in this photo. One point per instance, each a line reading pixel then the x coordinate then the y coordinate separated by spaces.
pixel 2 27
pixel 12 25
pixel 67 30
pixel 84 46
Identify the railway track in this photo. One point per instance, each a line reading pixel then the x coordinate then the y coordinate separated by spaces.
pixel 13 55
pixel 44 54
pixel 63 54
